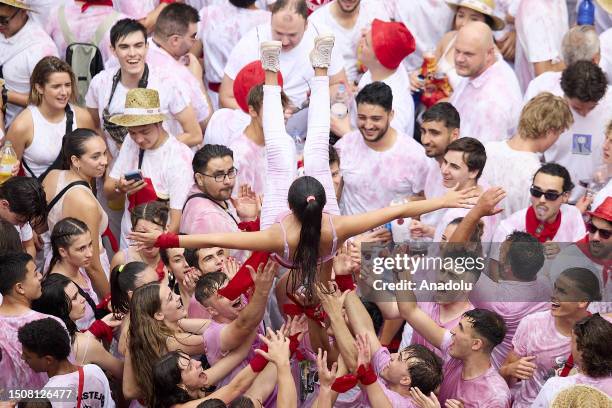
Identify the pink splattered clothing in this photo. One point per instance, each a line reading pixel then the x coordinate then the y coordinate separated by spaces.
pixel 555 385
pixel 136 9
pixel 250 160
pixel 196 310
pixel 485 391
pixel 510 300
pixel 489 104
pixel 372 179
pixel 159 57
pixel 432 309
pixel 221 27
pixel 21 375
pixel 226 125
pixel 433 188
pixel 82 26
pixel 537 336
pixel 540 27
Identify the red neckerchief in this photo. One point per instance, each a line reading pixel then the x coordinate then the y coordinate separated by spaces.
pixel 160 270
pixel 88 3
pixel 543 231
pixel 606 264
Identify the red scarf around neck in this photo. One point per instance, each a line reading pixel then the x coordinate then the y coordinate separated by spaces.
pixel 88 3
pixel 606 264
pixel 543 231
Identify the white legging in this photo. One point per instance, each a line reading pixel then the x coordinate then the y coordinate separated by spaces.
pixel 280 150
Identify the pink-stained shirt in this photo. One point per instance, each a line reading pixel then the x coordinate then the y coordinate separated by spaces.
pixel 347 39
pixel 168 167
pixel 540 27
pixel 83 27
pixel 196 310
pixel 221 27
pixel 226 125
pixel 537 336
pixel 485 391
pixel 432 309
pixel 19 55
pixel 250 160
pixel 490 104
pixel 433 188
pixel 512 300
pixel 372 179
pixel 159 57
pixel 555 385
pixel 16 373
pixel 136 9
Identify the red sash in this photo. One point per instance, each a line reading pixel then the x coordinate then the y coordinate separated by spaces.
pixel 543 231
pixel 606 264
pixel 88 3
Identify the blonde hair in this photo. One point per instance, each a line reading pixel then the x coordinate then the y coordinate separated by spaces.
pixel 42 72
pixel 543 113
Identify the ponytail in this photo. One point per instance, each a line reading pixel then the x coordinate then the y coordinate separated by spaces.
pixel 307 200
pixel 122 280
pixel 73 144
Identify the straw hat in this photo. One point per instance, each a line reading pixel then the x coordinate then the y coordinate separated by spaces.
pixel 582 396
pixel 141 108
pixel 606 5
pixel 486 7
pixel 20 4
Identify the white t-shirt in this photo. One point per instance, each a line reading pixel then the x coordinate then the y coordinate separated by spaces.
pixel 373 179
pixel 571 229
pixel 19 55
pixel 555 385
pixel 403 104
pixel 136 9
pixel 295 64
pixel 25 232
pixel 347 39
pixel 428 21
pixel 540 27
pixel 433 188
pixel 250 160
pixel 168 167
pixel 42 9
pixel 490 104
pixel 502 170
pixel 96 391
pixel 226 125
pixel 547 82
pixel 173 97
pixel 579 148
pixel 605 47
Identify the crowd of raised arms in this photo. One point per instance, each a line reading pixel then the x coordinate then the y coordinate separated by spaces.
pixel 306 203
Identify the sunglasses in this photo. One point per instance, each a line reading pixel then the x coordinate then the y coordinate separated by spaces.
pixel 605 234
pixel 549 195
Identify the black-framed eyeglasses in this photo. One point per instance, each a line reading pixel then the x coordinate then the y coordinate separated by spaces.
pixel 548 195
pixel 4 21
pixel 604 233
pixel 219 178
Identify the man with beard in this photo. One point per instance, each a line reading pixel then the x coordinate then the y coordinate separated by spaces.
pixel 594 252
pixel 347 19
pixel 378 163
pixel 548 218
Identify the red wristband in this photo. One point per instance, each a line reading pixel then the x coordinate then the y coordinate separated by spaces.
pixel 366 374
pixel 167 240
pixel 101 331
pixel 344 383
pixel 345 282
pixel 249 226
pixel 259 362
pixel 243 280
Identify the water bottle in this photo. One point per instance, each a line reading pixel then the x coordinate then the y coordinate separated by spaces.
pixel 586 13
pixel 339 106
pixel 7 162
pixel 400 228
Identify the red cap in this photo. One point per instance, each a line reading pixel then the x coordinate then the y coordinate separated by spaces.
pixel 392 42
pixel 604 211
pixel 249 76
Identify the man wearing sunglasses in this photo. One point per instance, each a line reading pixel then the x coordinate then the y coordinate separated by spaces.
pixel 593 252
pixel 22 44
pixel 548 218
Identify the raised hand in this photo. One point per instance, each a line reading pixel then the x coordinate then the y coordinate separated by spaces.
pixel 331 299
pixel 422 400
pixel 143 239
pixel 326 376
pixel 362 344
pixel 456 198
pixel 231 266
pixel 264 278
pixel 191 278
pixel 278 347
pixel 343 263
pixel 247 203
pixel 295 325
pixel 453 403
pixel 487 202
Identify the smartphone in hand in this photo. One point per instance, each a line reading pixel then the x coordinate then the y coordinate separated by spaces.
pixel 135 175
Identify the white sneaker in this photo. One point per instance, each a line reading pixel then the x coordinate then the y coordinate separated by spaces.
pixel 320 56
pixel 269 52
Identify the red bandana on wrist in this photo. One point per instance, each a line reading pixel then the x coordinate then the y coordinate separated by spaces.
pixel 606 264
pixel 543 231
pixel 88 3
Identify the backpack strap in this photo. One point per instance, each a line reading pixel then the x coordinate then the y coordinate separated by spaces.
pixel 63 23
pixel 69 119
pixel 103 28
pixel 27 168
pixel 54 165
pixel 206 196
pixel 64 191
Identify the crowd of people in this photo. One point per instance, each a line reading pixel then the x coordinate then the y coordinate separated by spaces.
pixel 314 203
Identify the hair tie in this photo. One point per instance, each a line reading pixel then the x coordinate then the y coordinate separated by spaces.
pixel 310 198
pixel 120 269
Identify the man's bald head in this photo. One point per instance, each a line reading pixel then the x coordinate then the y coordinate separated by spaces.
pixel 474 49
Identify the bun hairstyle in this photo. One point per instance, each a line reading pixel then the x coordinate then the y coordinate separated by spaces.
pixel 123 278
pixel 306 199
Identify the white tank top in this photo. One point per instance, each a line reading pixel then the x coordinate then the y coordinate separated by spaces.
pixel 46 141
